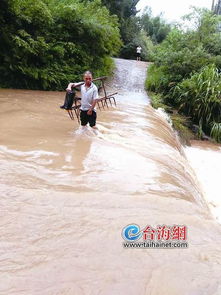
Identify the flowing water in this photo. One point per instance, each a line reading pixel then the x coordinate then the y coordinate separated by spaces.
pixel 205 158
pixel 67 193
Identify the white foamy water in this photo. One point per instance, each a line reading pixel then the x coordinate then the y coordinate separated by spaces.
pixel 206 161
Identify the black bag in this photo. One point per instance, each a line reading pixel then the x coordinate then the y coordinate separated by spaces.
pixel 69 100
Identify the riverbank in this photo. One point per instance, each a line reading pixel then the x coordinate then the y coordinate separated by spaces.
pixel 183 125
pixel 203 155
pixel 180 123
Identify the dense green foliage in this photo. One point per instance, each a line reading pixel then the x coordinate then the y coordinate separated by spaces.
pixel 122 8
pixel 145 31
pixel 200 98
pixel 186 71
pixel 46 43
pixel 155 27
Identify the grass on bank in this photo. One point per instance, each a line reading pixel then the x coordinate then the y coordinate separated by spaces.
pixel 194 103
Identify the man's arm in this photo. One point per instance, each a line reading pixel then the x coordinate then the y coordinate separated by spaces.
pixel 95 99
pixel 89 112
pixel 69 86
pixel 74 85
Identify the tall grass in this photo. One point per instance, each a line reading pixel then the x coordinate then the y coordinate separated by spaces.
pixel 216 131
pixel 156 80
pixel 200 98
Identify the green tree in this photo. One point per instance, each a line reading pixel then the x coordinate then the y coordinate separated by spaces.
pixel 155 27
pixel 186 70
pixel 137 30
pixel 122 8
pixel 185 52
pixel 46 43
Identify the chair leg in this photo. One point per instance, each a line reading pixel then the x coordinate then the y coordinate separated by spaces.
pixel 77 115
pixel 70 113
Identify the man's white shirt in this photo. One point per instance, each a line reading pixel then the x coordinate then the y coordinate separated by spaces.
pixel 139 49
pixel 88 95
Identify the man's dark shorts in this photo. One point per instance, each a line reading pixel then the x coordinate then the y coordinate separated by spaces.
pixel 85 118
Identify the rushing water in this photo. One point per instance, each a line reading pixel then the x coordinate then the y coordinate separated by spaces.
pixel 205 158
pixel 66 194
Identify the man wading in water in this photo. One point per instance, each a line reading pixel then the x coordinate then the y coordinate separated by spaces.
pixel 89 97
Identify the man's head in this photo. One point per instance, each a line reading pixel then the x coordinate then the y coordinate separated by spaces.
pixel 87 78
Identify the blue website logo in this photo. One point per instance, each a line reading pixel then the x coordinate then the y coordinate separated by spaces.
pixel 131 233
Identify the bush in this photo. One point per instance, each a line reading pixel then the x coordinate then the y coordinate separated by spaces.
pixel 46 43
pixel 216 131
pixel 183 53
pixel 141 39
pixel 200 98
pixel 186 71
pixel 144 31
pixel 157 79
pixel 157 101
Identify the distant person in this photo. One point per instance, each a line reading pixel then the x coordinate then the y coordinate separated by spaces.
pixel 89 97
pixel 139 49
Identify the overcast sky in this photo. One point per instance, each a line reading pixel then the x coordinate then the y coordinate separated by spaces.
pixel 172 9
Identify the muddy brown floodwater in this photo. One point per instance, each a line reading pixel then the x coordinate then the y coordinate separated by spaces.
pixel 66 195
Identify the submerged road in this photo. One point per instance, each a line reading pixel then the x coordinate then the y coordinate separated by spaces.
pixel 66 195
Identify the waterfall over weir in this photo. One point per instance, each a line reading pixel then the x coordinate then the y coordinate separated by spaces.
pixel 67 194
